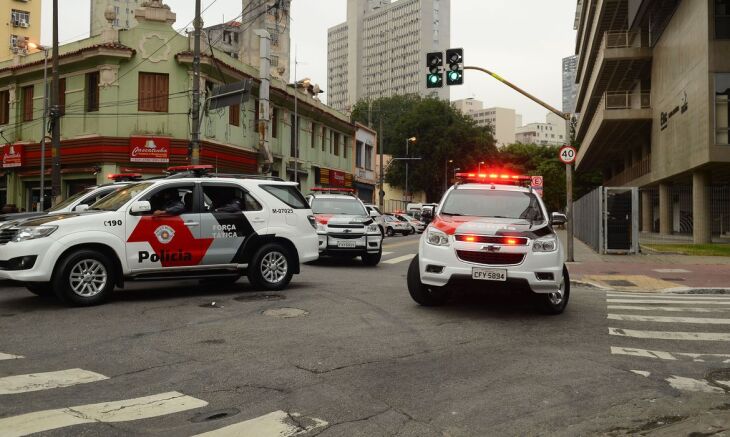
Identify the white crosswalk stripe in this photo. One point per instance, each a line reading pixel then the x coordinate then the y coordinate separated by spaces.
pixel 668 309
pixel 665 319
pixel 670 356
pixel 665 301
pixel 47 380
pixel 668 296
pixel 117 411
pixel 10 357
pixel 387 253
pixel 670 335
pixel 276 424
pixel 400 259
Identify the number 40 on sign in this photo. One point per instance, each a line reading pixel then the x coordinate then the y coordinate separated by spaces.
pixel 568 154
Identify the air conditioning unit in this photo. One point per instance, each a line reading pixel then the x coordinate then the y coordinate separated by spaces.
pixel 24 23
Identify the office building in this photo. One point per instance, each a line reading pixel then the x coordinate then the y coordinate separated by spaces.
pixel 550 133
pixel 124 10
pixel 23 24
pixel 570 89
pixel 501 120
pixel 381 49
pixel 653 97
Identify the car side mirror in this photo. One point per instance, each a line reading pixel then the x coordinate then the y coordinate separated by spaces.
pixel 374 214
pixel 140 207
pixel 81 208
pixel 558 219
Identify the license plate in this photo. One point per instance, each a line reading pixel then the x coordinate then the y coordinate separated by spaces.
pixel 489 274
pixel 346 244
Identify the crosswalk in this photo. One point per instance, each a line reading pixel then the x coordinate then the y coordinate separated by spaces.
pixel 678 339
pixel 275 424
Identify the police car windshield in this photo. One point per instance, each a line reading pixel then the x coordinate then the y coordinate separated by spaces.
pixel 120 197
pixel 71 200
pixel 338 206
pixel 494 204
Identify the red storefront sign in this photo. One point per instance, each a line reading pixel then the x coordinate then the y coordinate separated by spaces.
pixel 149 149
pixel 335 178
pixel 12 156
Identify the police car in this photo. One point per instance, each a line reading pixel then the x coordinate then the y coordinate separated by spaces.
pixel 491 231
pixel 81 200
pixel 344 227
pixel 188 226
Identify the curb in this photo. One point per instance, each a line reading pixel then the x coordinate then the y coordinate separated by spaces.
pixel 676 290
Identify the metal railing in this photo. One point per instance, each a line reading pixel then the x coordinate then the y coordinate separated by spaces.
pixel 621 39
pixel 626 100
pixel 587 219
pixel 636 171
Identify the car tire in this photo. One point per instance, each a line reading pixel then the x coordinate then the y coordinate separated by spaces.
pixel 271 267
pixel 390 232
pixel 42 289
pixel 413 230
pixel 425 295
pixel 84 278
pixel 550 303
pixel 372 259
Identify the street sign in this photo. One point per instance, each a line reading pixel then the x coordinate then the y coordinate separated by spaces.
pixel 536 183
pixel 568 154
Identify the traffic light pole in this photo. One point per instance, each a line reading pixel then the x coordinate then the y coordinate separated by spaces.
pixel 568 167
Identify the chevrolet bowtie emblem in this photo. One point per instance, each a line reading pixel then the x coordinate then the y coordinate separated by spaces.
pixel 491 248
pixel 347 231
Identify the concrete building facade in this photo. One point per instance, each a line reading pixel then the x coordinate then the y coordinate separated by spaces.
pixel 380 50
pixel 22 24
pixel 503 121
pixel 275 17
pixel 124 9
pixel 570 89
pixel 654 81
pixel 550 133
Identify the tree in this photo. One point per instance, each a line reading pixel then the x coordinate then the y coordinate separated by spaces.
pixel 443 133
pixel 535 160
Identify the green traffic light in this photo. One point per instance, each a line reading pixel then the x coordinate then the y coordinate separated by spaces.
pixel 433 79
pixel 454 76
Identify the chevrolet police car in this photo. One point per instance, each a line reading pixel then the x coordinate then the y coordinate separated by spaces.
pixel 187 226
pixel 490 231
pixel 81 200
pixel 344 227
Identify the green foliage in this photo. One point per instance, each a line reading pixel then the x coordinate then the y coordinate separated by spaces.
pixel 443 133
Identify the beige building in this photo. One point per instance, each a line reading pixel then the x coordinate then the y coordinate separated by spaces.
pixel 380 51
pixel 124 9
pixel 653 84
pixel 277 21
pixel 550 133
pixel 501 120
pixel 22 20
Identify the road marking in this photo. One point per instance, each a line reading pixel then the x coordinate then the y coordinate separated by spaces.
pixel 671 309
pixel 276 424
pixel 643 373
pixel 405 243
pixel 684 302
pixel 670 356
pixel 668 296
pixel 690 384
pixel 10 357
pixel 400 259
pixel 672 271
pixel 388 253
pixel 662 335
pixel 48 380
pixel 118 411
pixel 664 319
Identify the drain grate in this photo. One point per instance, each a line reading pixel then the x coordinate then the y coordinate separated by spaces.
pixel 210 416
pixel 620 283
pixel 259 297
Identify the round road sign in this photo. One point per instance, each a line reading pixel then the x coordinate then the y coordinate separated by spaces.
pixel 568 154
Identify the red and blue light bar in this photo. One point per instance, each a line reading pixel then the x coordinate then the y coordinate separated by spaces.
pixel 124 177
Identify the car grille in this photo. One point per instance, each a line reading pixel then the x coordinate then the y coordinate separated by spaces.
pixel 346 236
pixel 489 258
pixel 7 234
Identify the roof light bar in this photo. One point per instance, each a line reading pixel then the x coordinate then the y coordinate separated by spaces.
pixel 124 177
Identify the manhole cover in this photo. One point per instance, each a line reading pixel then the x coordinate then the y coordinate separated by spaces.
pixel 285 313
pixel 257 297
pixel 209 416
pixel 620 283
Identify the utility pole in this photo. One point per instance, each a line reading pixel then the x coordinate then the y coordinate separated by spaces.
pixel 381 137
pixel 55 117
pixel 195 110
pixel 41 202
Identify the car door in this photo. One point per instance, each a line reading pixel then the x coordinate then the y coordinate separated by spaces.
pixel 166 236
pixel 230 216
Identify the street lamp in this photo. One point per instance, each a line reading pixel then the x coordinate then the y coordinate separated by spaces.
pixel 446 174
pixel 34 46
pixel 408 142
pixel 481 163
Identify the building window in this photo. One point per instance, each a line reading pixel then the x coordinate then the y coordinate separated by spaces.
pixel 28 103
pixel 274 123
pixel 358 154
pixel 345 144
pixel 92 92
pixel 324 143
pixel 368 157
pixel 292 148
pixel 314 130
pixel 336 145
pixel 62 96
pixel 722 116
pixel 20 18
pixel 4 107
pixel 722 19
pixel 234 115
pixel 154 91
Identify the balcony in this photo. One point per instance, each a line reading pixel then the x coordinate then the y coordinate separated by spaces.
pixel 639 169
pixel 622 121
pixel 622 60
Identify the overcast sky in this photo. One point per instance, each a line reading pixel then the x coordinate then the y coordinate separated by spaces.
pixel 522 40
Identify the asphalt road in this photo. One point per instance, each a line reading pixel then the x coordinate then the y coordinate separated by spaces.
pixel 346 352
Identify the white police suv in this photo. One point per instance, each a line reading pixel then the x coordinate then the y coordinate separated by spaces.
pixel 344 227
pixel 489 231
pixel 188 226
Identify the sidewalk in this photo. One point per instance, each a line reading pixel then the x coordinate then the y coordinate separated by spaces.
pixel 648 273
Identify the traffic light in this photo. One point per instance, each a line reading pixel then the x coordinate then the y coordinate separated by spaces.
pixel 455 68
pixel 434 62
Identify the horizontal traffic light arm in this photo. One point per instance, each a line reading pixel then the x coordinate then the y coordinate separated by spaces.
pixel 562 114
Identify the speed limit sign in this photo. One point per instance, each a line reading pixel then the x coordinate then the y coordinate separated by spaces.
pixel 568 154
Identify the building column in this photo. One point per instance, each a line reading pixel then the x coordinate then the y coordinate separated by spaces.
pixel 701 208
pixel 665 210
pixel 646 211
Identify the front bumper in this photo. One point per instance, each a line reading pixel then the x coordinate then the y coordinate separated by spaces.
pixel 457 271
pixel 45 250
pixel 365 243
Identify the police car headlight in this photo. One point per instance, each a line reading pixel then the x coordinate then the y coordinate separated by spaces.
pixel 31 233
pixel 321 228
pixel 373 229
pixel 437 238
pixel 549 244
